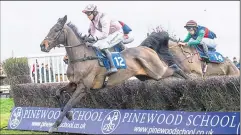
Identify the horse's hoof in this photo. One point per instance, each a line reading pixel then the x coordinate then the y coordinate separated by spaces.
pixel 69 116
pixel 53 129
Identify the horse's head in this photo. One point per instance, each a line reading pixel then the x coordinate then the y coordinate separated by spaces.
pixel 55 35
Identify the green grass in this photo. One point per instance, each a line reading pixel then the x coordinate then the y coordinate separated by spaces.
pixel 6 104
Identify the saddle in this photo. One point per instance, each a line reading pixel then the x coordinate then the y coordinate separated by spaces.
pixel 214 56
pixel 119 61
pixel 103 61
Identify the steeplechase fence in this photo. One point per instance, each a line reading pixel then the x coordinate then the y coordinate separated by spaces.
pixel 153 107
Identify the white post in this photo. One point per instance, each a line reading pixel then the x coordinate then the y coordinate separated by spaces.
pixel 50 79
pixel 57 60
pixel 35 72
pixel 45 70
pixel 30 68
pixel 62 67
pixel 53 68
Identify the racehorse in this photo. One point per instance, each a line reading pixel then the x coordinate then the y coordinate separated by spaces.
pixel 87 66
pixel 190 59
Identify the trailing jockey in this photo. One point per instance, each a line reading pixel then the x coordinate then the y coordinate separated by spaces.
pixel 105 31
pixel 199 35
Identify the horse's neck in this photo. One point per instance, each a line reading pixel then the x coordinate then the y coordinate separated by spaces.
pixel 176 50
pixel 76 52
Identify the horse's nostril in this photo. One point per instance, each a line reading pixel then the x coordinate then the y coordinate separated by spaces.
pixel 42 47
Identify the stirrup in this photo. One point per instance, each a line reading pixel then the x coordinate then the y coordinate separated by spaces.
pixel 205 58
pixel 111 71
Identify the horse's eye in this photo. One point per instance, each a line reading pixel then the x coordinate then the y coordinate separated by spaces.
pixel 56 30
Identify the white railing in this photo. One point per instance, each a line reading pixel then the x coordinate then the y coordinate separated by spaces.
pixel 51 68
pixel 48 68
pixel 5 91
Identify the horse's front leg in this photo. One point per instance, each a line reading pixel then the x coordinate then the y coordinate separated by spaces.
pixel 59 93
pixel 77 95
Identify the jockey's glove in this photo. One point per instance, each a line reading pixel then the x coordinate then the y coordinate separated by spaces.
pixel 88 44
pixel 90 39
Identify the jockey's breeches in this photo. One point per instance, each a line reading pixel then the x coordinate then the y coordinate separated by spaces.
pixel 209 42
pixel 112 40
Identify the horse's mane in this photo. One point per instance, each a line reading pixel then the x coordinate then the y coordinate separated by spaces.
pixel 158 41
pixel 74 29
pixel 173 39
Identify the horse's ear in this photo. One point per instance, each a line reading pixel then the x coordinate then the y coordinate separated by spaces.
pixel 62 20
pixel 65 19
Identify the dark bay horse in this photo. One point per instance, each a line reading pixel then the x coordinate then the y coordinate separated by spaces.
pixel 85 73
pixel 188 58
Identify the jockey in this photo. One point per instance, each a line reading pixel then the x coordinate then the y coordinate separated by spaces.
pixel 199 35
pixel 105 31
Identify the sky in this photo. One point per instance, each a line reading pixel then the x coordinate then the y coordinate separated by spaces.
pixel 24 24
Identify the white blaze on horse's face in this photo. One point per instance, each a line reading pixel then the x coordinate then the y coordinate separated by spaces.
pixel 46 43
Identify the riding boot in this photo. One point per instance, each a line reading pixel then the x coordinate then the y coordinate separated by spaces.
pixel 113 69
pixel 122 46
pixel 205 50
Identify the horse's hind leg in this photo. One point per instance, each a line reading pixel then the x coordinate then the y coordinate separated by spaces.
pixel 150 72
pixel 233 71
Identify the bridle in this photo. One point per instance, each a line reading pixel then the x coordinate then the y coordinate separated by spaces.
pixel 63 30
pixel 190 55
pixel 58 36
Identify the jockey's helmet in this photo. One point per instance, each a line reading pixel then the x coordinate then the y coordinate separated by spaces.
pixel 89 9
pixel 191 24
pixel 191 27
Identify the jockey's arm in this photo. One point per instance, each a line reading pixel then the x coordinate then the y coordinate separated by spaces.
pixel 105 22
pixel 196 42
pixel 188 37
pixel 91 29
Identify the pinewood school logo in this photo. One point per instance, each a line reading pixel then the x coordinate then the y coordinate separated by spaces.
pixel 111 122
pixel 16 117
